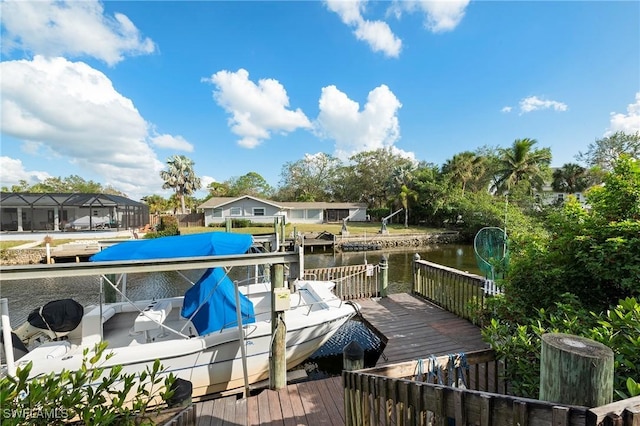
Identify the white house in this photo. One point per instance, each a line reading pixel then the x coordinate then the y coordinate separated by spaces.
pixel 218 209
pixel 548 196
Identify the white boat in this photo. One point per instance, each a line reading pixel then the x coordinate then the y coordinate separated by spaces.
pixel 196 336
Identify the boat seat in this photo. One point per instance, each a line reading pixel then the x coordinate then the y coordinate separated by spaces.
pixel 90 329
pixel 152 316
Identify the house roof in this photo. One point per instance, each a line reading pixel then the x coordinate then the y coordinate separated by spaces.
pixel 323 205
pixel 217 202
pixel 32 199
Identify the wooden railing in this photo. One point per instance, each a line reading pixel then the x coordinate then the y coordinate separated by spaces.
pixel 397 395
pixel 456 291
pixel 352 282
pixel 376 400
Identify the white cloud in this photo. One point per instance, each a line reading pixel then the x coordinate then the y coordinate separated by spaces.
pixel 377 34
pixel 70 28
pixel 72 112
pixel 177 143
pixel 256 110
pixel 440 16
pixel 533 103
pixel 629 122
pixel 12 171
pixel 506 109
pixel 206 181
pixel 353 131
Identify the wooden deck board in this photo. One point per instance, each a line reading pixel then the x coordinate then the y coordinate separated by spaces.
pixel 263 408
pixel 312 404
pixel 253 415
pixel 414 329
pixel 300 416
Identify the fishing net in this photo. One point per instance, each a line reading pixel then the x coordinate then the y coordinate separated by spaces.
pixel 490 247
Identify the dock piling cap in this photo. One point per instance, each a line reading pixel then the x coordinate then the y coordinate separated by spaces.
pixel 577 345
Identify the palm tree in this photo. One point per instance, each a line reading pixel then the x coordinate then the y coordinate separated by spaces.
pixel 467 168
pixel 400 178
pixel 157 204
pixel 180 177
pixel 521 163
pixel 570 178
pixel 407 193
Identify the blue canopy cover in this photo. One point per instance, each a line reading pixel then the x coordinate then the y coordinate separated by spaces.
pixel 214 290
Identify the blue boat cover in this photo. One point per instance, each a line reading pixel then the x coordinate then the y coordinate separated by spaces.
pixel 214 290
pixel 192 245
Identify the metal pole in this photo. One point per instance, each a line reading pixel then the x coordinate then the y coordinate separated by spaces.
pixel 6 337
pixel 243 349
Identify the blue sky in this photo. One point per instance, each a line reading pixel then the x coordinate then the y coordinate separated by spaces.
pixel 110 90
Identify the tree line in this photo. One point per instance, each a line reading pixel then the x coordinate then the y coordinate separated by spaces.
pixel 386 181
pixel 428 193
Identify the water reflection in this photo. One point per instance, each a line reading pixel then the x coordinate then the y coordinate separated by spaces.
pixel 458 256
pixel 26 295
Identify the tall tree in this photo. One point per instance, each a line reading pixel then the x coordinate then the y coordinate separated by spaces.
pixel 433 195
pixel 372 169
pixel 309 179
pixel 400 179
pixel 157 204
pixel 570 178
pixel 521 163
pixel 468 170
pixel 218 189
pixel 180 177
pixel 605 151
pixel 250 184
pixel 73 183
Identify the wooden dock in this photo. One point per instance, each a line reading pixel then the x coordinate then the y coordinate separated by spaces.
pixel 413 329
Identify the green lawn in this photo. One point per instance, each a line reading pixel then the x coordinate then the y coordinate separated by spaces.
pixel 361 228
pixel 8 244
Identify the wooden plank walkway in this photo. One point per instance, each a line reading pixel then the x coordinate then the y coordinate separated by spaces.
pixel 317 402
pixel 414 329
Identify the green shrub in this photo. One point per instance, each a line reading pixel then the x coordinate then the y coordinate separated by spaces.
pixel 92 395
pixel 240 223
pixel 519 344
pixel 167 227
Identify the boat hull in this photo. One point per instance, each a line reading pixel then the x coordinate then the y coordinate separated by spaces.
pixel 212 363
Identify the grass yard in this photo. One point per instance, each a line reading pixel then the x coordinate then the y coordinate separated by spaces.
pixel 360 228
pixel 8 244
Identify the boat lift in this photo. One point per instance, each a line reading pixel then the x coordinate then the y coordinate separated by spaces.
pixel 383 230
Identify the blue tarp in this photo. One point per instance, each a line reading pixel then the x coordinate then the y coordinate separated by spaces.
pixel 214 291
pixel 220 309
pixel 193 245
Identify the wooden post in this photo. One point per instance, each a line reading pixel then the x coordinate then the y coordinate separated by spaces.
pixel 227 225
pixel 575 370
pixel 278 361
pixel 282 230
pixel 416 273
pixel 384 276
pixel 353 357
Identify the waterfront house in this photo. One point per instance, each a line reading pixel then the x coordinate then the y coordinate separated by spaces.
pixel 219 209
pixel 27 211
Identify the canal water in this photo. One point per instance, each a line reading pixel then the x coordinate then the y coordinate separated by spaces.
pixel 24 296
